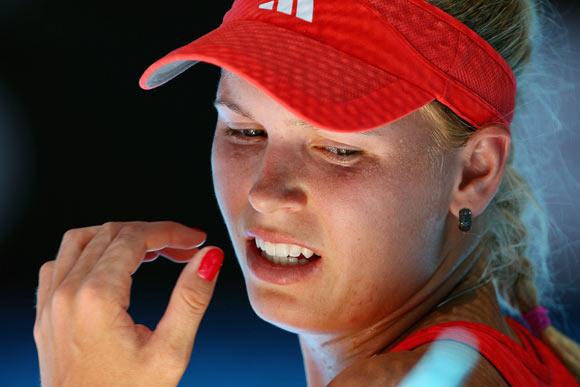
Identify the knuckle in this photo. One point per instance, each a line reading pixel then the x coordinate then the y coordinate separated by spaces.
pixel 110 228
pixel 131 231
pixel 72 235
pixel 46 268
pixel 90 292
pixel 38 331
pixel 62 298
pixel 128 238
pixel 196 300
pixel 76 235
pixel 108 224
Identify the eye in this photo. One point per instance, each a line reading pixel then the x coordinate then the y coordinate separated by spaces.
pixel 339 154
pixel 240 133
pixel 342 154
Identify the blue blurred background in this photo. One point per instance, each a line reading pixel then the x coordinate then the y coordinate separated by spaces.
pixel 81 144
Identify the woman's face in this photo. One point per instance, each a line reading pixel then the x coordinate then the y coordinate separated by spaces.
pixel 377 218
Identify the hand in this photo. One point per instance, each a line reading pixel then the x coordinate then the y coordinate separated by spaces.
pixel 83 333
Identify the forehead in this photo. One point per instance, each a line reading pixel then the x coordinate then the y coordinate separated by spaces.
pixel 232 86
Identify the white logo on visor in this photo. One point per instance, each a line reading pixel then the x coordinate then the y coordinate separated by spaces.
pixel 304 10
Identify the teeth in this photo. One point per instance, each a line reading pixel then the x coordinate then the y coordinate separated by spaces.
pixel 307 253
pixel 270 248
pixel 290 261
pixel 283 250
pixel 294 251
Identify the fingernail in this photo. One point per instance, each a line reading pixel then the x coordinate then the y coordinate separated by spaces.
pixel 210 264
pixel 203 240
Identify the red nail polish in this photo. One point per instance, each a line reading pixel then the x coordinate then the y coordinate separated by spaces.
pixel 210 264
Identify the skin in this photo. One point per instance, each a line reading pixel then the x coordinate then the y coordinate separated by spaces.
pixel 83 333
pixel 385 223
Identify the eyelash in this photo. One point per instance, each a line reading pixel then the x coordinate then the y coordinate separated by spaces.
pixel 340 157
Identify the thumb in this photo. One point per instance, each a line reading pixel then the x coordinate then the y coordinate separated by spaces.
pixel 189 300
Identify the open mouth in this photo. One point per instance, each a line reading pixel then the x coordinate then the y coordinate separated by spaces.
pixel 280 272
pixel 289 260
pixel 283 261
pixel 295 256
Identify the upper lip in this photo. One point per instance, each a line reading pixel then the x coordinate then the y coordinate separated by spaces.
pixel 277 237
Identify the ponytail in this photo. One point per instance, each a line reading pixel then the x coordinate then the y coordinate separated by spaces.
pixel 524 298
pixel 516 248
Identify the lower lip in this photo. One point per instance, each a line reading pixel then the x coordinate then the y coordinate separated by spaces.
pixel 278 274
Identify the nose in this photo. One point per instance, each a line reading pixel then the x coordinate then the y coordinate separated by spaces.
pixel 276 187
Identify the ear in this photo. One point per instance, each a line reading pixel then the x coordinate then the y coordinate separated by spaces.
pixel 484 159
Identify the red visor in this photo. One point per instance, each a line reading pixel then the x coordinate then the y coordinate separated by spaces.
pixel 353 65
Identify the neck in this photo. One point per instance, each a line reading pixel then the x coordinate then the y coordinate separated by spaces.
pixel 325 356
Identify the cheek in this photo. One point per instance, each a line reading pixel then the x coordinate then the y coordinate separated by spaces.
pixel 230 176
pixel 380 238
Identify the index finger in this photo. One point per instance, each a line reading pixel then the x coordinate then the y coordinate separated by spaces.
pixel 125 253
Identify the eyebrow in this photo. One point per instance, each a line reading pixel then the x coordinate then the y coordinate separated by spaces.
pixel 295 122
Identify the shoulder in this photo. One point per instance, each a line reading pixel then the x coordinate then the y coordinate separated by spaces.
pixel 390 369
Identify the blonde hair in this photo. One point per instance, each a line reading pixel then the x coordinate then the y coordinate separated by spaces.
pixel 520 274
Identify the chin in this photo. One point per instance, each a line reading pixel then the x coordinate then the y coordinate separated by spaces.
pixel 281 309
